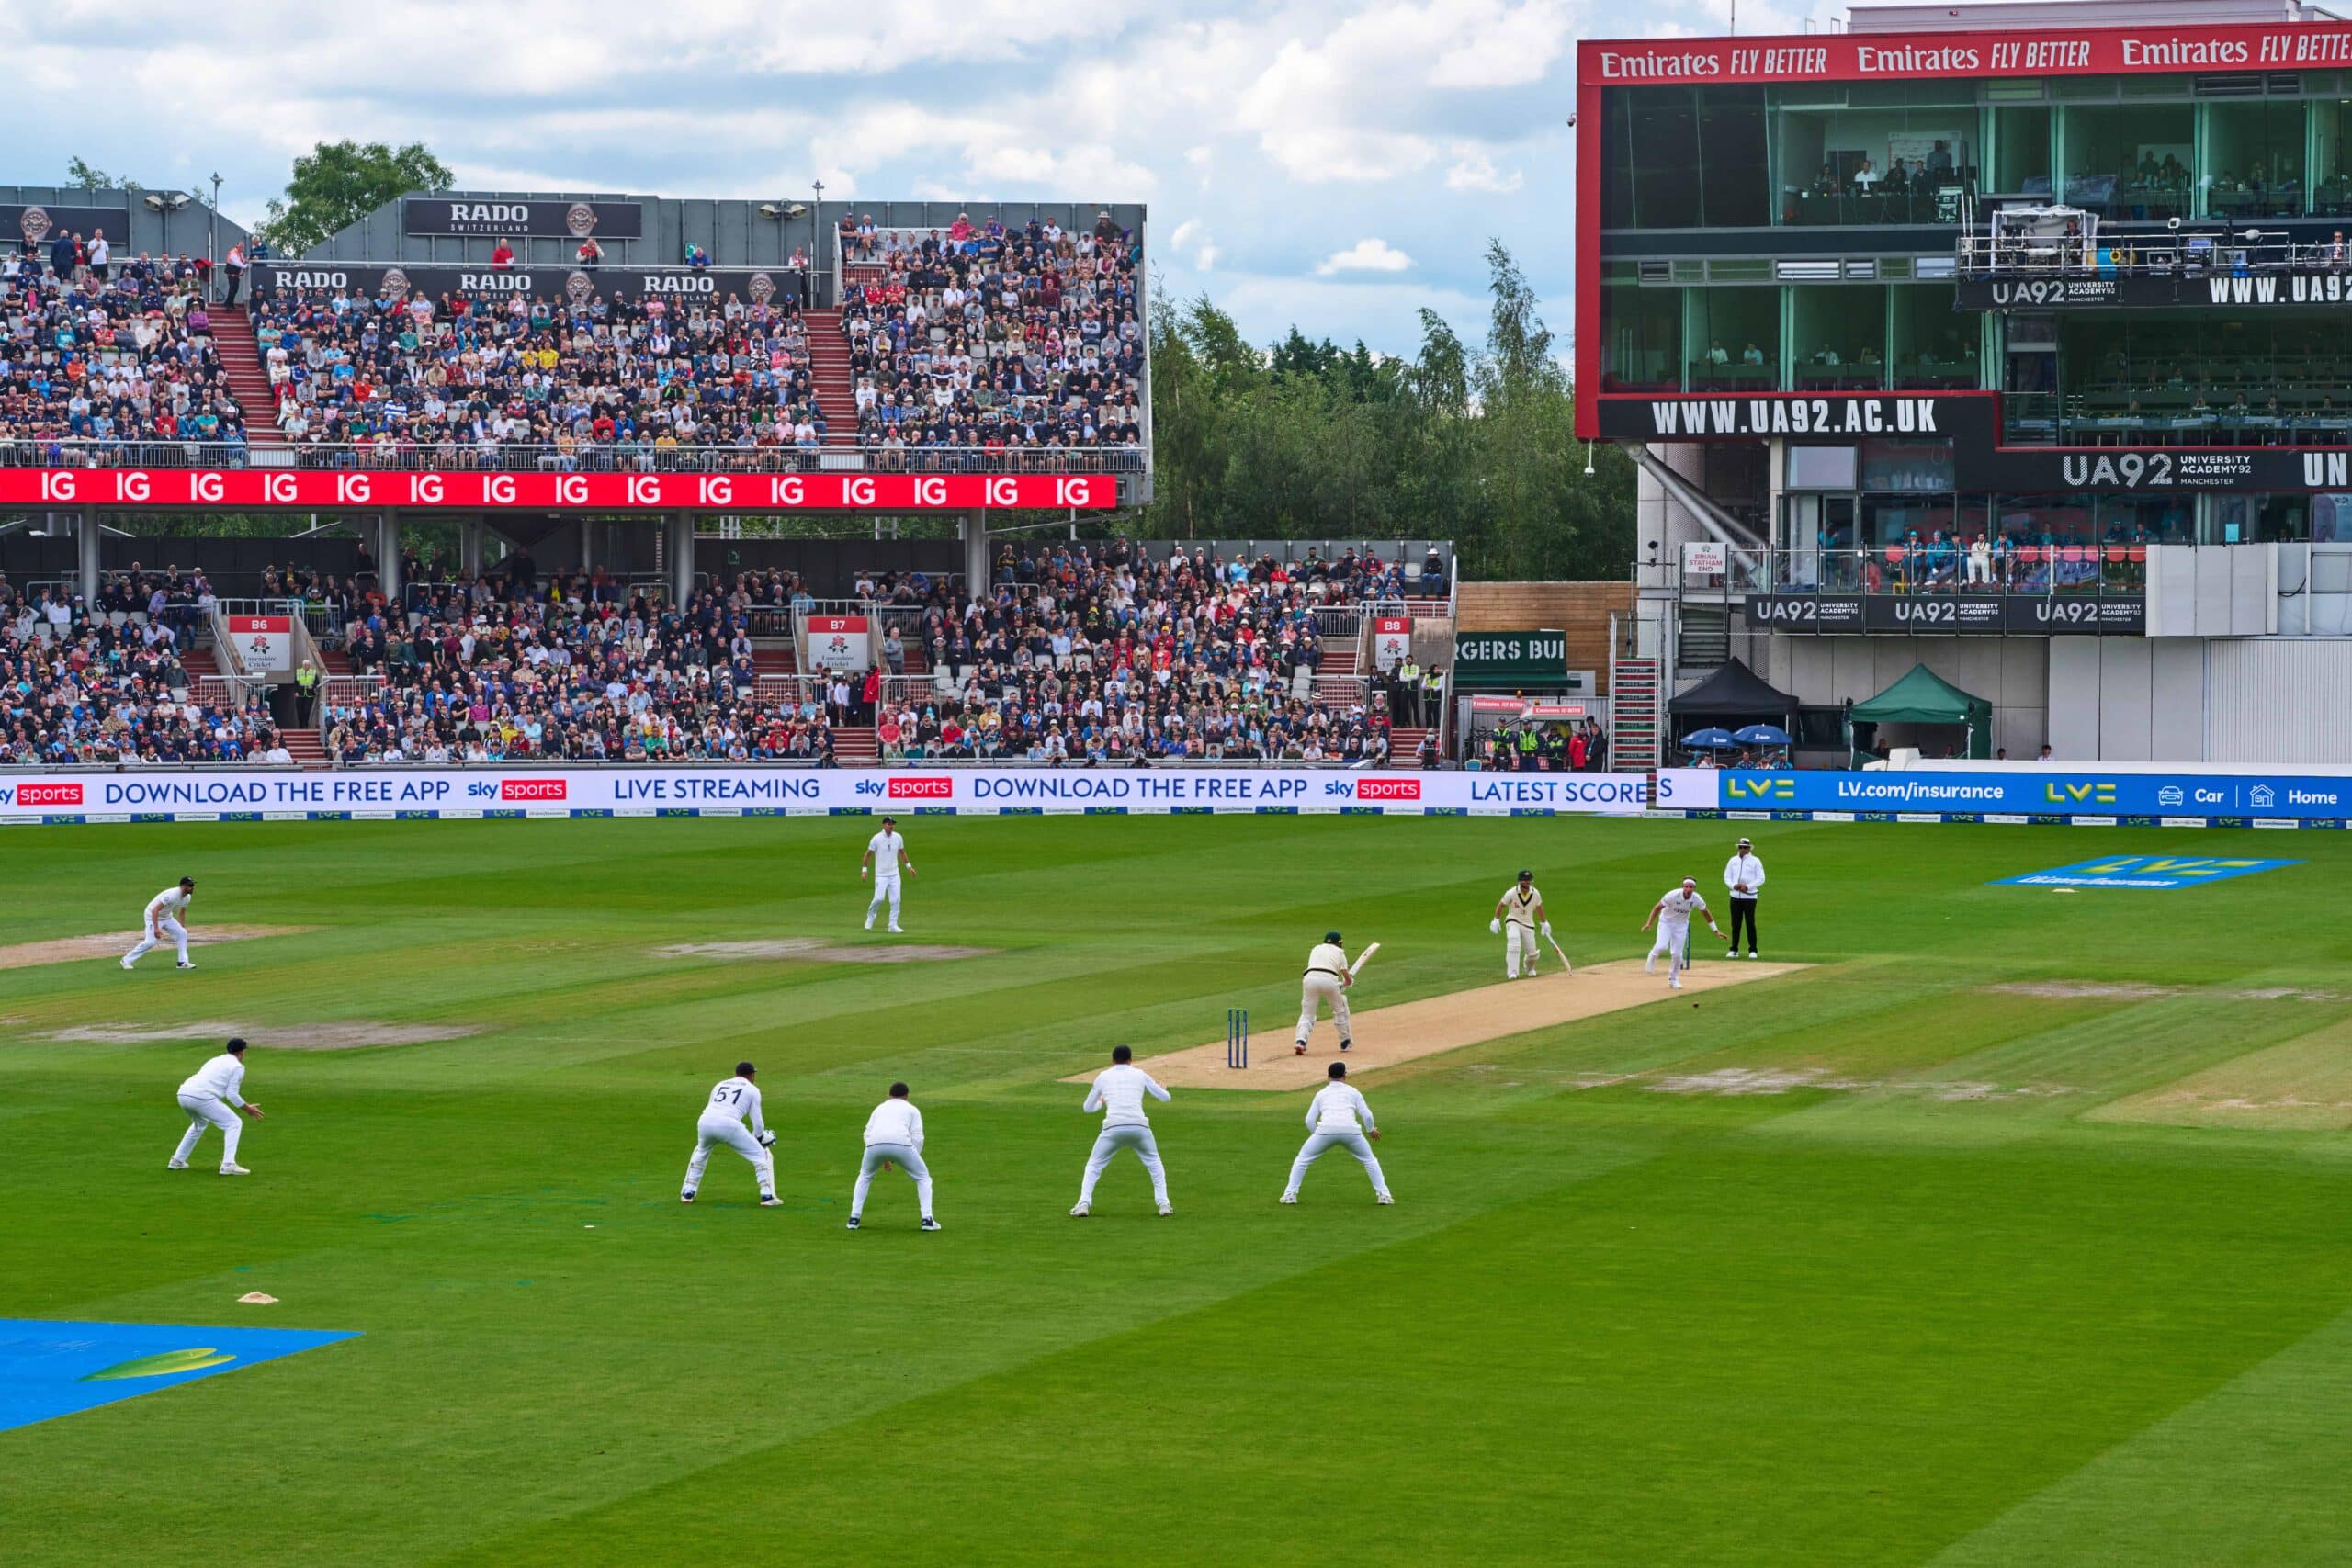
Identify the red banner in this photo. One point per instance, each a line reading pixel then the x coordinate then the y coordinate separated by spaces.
pixel 322 490
pixel 2023 51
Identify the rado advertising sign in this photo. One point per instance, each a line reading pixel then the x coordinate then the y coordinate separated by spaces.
pixel 757 286
pixel 494 219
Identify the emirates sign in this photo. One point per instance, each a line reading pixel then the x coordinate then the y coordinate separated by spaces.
pixel 245 490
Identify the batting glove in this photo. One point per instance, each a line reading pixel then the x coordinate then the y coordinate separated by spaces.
pixel 767 1140
pixel 1495 926
pixel 1547 928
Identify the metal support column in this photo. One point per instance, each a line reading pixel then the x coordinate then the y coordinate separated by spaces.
pixel 469 547
pixel 388 557
pixel 976 553
pixel 587 545
pixel 682 556
pixel 85 542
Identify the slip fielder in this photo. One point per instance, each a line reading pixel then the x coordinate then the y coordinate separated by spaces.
pixel 893 1136
pixel 1519 914
pixel 1339 1118
pixel 1118 1093
pixel 161 920
pixel 1327 979
pixel 733 1100
pixel 882 853
pixel 1671 914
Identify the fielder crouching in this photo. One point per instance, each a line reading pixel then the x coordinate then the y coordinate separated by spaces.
pixel 893 1136
pixel 1339 1118
pixel 733 1100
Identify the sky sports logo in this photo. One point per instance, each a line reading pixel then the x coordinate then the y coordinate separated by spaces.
pixel 1794 416
pixel 1388 789
pixel 532 789
pixel 42 795
pixel 922 789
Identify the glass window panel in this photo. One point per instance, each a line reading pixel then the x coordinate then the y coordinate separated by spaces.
pixel 1736 339
pixel 1641 342
pixel 2130 164
pixel 2022 139
pixel 1735 177
pixel 1933 346
pixel 1839 334
pixel 1873 165
pixel 2254 161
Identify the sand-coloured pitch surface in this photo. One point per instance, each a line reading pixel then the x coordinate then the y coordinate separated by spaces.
pixel 114 944
pixel 809 950
pixel 346 1034
pixel 1385 1037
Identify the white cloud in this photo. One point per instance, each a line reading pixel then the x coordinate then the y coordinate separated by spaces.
pixel 1509 47
pixel 1474 170
pixel 1371 254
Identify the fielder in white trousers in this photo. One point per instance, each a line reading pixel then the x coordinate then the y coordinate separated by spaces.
pixel 732 1101
pixel 1671 914
pixel 161 920
pixel 1118 1093
pixel 210 1099
pixel 893 1136
pixel 1338 1119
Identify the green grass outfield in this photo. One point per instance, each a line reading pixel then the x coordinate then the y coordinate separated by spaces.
pixel 1989 1277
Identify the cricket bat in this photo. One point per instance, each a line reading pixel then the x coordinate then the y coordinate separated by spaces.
pixel 1356 969
pixel 1565 967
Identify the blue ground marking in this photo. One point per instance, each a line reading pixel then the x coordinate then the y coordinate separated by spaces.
pixel 2142 871
pixel 49 1370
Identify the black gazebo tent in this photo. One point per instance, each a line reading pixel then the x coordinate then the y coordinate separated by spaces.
pixel 1733 696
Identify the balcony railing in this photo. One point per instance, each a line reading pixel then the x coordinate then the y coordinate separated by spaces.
pixel 452 457
pixel 2040 571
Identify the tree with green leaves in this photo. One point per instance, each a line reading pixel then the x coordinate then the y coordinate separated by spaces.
pixel 78 172
pixel 339 183
pixel 1305 440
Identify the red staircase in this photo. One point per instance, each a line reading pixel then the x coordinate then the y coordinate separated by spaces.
pixel 775 657
pixel 239 351
pixel 1404 745
pixel 856 748
pixel 828 369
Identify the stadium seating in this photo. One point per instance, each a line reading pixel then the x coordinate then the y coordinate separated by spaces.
pixel 115 685
pixel 95 364
pixel 1026 342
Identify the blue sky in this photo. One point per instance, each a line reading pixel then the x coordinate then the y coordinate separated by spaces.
pixel 1339 166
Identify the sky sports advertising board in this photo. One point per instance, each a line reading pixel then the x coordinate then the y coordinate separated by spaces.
pixel 226 795
pixel 2019 791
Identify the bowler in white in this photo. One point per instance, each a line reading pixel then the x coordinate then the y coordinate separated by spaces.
pixel 893 1136
pixel 1118 1093
pixel 1339 1118
pixel 882 853
pixel 1671 914
pixel 163 920
pixel 732 1102
pixel 207 1097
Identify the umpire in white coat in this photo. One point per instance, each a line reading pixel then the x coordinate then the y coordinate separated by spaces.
pixel 1743 879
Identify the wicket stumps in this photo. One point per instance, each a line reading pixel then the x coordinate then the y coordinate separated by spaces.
pixel 1237 1037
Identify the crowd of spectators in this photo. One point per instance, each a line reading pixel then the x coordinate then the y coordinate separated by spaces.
pixel 578 668
pixel 1020 340
pixel 106 684
pixel 1079 653
pixel 1535 746
pixel 597 381
pixel 97 356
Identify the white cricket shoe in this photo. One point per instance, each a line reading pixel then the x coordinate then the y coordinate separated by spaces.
pixel 771 1201
pixel 685 1197
pixel 176 1165
pixel 1384 1198
pixel 126 965
pixel 1166 1209
pixel 1080 1212
pixel 1675 984
pixel 1289 1198
pixel 896 931
pixel 235 1170
pixel 185 965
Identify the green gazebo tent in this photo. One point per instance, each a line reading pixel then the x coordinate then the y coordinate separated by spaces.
pixel 1922 696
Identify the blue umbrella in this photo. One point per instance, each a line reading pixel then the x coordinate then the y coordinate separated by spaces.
pixel 1710 740
pixel 1762 735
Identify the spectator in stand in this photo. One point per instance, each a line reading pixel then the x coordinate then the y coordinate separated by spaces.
pixel 590 252
pixel 100 255
pixel 235 268
pixel 502 255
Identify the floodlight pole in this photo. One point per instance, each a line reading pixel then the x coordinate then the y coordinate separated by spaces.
pixel 213 237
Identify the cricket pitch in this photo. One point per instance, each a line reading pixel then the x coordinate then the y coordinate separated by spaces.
pixel 1390 1036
